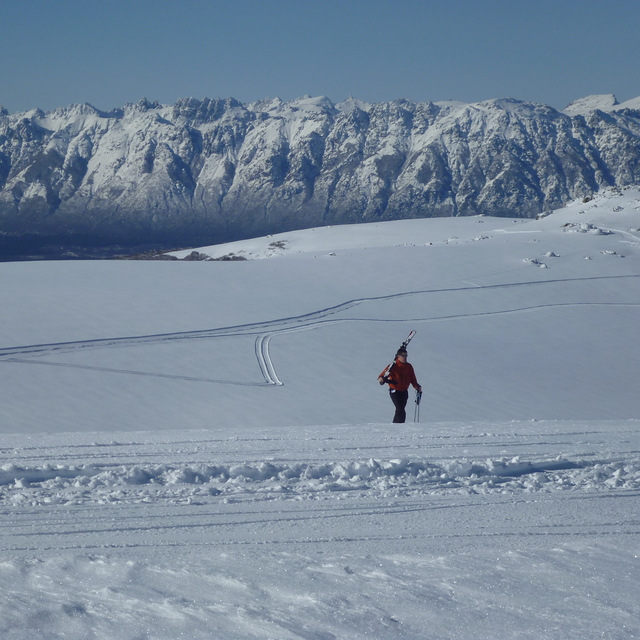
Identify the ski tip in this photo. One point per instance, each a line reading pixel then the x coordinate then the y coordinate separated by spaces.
pixel 408 340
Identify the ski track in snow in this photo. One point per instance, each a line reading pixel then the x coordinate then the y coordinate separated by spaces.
pixel 266 330
pixel 264 359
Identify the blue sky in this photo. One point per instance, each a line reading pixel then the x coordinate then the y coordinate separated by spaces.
pixel 110 52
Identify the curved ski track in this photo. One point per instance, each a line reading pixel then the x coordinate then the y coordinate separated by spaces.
pixel 264 331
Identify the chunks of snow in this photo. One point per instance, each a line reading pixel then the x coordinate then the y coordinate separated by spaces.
pixel 586 227
pixel 306 479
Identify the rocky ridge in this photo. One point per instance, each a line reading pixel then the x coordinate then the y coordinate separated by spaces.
pixel 204 171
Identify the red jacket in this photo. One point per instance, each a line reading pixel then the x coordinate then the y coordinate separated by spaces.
pixel 400 376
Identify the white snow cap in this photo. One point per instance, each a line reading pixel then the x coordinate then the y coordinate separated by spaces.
pixel 604 102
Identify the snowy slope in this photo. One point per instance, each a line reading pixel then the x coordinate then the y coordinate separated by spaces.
pixel 201 449
pixel 604 102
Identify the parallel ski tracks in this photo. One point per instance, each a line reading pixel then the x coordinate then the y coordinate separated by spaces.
pixel 264 359
pixel 264 332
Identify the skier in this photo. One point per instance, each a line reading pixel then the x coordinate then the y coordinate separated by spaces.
pixel 399 375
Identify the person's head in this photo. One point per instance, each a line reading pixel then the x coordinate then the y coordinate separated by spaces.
pixel 402 354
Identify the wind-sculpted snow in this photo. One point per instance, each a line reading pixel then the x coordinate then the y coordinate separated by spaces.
pixel 209 171
pixel 323 533
pixel 303 480
pixel 88 482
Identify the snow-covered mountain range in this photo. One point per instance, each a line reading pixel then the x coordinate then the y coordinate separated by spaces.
pixel 203 171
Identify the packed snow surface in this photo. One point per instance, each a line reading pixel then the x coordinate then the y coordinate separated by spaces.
pixel 200 449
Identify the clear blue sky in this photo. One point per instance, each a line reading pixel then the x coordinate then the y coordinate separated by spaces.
pixel 110 52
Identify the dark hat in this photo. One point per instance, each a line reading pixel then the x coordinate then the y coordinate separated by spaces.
pixel 401 352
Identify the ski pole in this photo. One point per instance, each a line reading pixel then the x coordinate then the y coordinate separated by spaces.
pixel 416 411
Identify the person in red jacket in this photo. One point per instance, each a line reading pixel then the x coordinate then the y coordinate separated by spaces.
pixel 399 376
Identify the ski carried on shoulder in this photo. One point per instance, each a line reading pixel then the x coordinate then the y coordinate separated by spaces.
pixel 385 373
pixel 408 340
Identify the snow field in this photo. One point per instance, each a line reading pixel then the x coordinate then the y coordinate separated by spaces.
pixel 264 546
pixel 200 450
pixel 301 595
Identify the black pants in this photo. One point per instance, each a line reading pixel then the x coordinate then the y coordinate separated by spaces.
pixel 399 399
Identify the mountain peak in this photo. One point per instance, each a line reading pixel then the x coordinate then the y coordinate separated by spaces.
pixel 583 106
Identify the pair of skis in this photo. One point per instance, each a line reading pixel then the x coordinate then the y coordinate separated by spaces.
pixel 416 412
pixel 385 373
